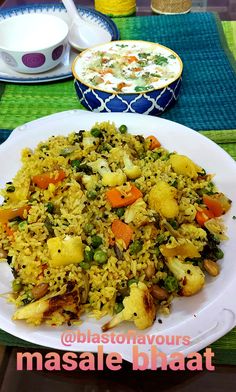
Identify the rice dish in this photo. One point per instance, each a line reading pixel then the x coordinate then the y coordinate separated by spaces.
pixel 103 222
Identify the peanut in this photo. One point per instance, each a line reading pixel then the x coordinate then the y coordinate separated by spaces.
pixel 211 267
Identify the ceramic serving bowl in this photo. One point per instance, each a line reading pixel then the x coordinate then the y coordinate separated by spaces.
pixel 32 43
pixel 128 76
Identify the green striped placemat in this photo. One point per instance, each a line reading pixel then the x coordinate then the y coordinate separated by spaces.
pixel 206 97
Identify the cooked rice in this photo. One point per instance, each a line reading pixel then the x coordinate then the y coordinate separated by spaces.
pixel 98 288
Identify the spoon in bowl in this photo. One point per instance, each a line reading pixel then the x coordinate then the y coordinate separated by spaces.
pixel 84 34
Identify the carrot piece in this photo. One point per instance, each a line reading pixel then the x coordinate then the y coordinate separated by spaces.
pixel 43 180
pixel 122 231
pixel 203 216
pixel 8 230
pixel 131 59
pixel 11 213
pixel 116 199
pixel 154 143
pixel 121 85
pixel 217 203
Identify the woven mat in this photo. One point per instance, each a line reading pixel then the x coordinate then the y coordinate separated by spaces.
pixel 21 103
pixel 209 83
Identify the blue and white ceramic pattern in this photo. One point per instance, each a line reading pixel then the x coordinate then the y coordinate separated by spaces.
pixel 63 70
pixel 154 102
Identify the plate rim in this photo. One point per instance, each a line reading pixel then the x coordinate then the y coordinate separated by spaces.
pixel 221 305
pixel 6 12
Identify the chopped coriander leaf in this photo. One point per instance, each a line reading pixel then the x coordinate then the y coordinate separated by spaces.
pixel 119 307
pixel 49 207
pixel 75 163
pixel 160 60
pixel 11 189
pixel 143 88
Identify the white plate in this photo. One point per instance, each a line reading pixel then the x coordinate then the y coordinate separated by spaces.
pixel 63 70
pixel 204 317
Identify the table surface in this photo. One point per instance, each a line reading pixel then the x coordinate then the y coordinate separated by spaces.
pixel 125 380
pixel 225 8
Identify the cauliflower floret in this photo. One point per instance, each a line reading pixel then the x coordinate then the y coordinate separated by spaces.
pixel 137 213
pixel 132 171
pixel 109 178
pixel 89 141
pixel 162 199
pixel 190 277
pixel 34 312
pixel 90 182
pixel 217 228
pixel 196 235
pixel 119 155
pixel 139 307
pixel 184 165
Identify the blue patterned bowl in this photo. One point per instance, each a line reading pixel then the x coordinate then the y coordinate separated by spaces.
pixel 150 86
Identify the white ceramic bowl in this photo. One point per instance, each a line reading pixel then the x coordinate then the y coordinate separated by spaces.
pixel 32 43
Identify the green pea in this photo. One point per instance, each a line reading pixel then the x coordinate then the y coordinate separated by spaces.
pixel 100 256
pixel 219 254
pixel 84 265
pixel 174 223
pixel 123 129
pixel 22 225
pixel 49 207
pixel 96 241
pixel 96 132
pixel 120 212
pixel 131 281
pixel 88 228
pixel 16 285
pixel 88 254
pixel 171 284
pixel 135 247
pixel 75 163
pixel 91 195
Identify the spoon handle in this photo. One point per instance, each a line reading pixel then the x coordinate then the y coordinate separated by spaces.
pixel 71 9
